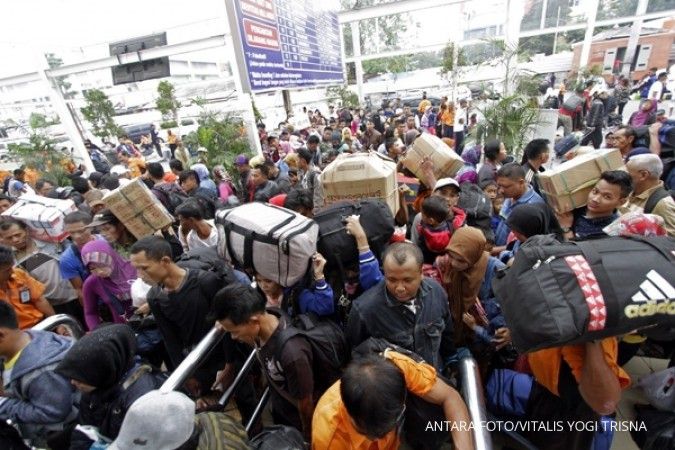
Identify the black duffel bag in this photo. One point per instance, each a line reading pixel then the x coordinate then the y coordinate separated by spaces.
pixel 338 247
pixel 573 292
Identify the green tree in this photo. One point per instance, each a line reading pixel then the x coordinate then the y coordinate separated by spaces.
pixel 347 97
pixel 394 64
pixel 448 58
pixel 610 9
pixel 167 103
pixel 100 113
pixel 62 82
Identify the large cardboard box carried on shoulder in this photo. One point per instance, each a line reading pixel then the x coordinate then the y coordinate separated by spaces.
pixel 44 216
pixel 580 171
pixel 138 209
pixel 361 175
pixel 446 162
pixel 567 186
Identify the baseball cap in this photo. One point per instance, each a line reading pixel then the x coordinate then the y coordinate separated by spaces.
pixel 241 160
pixel 443 182
pixel 105 216
pixel 158 421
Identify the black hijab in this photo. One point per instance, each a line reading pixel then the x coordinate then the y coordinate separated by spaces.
pixel 100 358
pixel 532 219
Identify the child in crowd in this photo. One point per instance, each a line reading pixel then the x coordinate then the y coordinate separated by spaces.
pixel 438 223
pixel 492 191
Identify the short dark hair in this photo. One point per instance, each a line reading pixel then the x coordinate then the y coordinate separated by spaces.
pixel 390 142
pixel 39 184
pixel 619 178
pixel 18 172
pixel 398 122
pixel 512 171
pixel 80 185
pixel 77 216
pixel 373 391
pixel 299 198
pixel 189 209
pixel 9 222
pixel 535 148
pixel 176 164
pixel 435 207
pixel 110 181
pixel 628 131
pixel 155 248
pixel 401 251
pixel 313 139
pixel 155 170
pixel 8 316
pixel 6 256
pixel 237 302
pixel 305 154
pixel 272 138
pixel 389 133
pixel 188 174
pixel 662 75
pixel 491 149
pixel 266 168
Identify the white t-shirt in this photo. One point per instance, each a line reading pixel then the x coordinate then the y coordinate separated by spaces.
pixel 460 113
pixel 656 90
pixel 192 240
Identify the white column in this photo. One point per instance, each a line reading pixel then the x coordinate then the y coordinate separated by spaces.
pixel 67 120
pixel 356 44
pixel 590 29
pixel 633 39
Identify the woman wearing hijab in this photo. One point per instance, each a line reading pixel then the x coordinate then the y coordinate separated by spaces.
pixel 103 366
pixel 468 173
pixel 204 180
pixel 225 187
pixel 530 220
pixel 467 271
pixel 108 284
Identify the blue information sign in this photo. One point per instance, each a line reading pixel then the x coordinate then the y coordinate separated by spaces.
pixel 289 43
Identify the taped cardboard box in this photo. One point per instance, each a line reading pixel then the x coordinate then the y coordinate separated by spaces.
pixel 138 209
pixel 564 203
pixel 446 162
pixel 43 216
pixel 361 175
pixel 579 172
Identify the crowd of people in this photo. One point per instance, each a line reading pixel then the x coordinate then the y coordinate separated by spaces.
pixel 408 314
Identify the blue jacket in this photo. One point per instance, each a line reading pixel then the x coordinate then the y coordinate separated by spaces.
pixel 38 398
pixel 369 270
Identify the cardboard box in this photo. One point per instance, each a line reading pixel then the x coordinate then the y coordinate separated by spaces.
pixel 44 216
pixel 446 162
pixel 138 209
pixel 361 175
pixel 580 171
pixel 570 201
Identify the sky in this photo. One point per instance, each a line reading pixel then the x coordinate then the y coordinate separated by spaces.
pixel 72 28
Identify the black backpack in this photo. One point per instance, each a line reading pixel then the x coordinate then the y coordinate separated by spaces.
pixel 338 247
pixel 207 259
pixel 329 346
pixel 478 208
pixel 171 197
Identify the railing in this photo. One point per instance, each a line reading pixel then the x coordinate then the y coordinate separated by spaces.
pixel 61 320
pixel 192 361
pixel 472 392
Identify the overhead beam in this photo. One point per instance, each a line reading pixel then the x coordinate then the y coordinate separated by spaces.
pixel 126 58
pixel 387 9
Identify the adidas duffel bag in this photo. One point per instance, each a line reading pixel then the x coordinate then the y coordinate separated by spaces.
pixel 275 242
pixel 564 293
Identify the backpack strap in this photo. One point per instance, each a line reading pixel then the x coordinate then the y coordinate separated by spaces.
pixel 654 199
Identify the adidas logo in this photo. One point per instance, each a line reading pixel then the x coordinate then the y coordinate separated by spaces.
pixel 653 297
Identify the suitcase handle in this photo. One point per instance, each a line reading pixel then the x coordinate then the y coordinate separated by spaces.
pixel 594 260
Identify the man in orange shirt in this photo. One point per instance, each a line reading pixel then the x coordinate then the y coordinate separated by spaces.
pixel 576 383
pixel 365 410
pixel 22 291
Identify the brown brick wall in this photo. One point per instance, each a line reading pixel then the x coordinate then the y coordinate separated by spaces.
pixel 658 57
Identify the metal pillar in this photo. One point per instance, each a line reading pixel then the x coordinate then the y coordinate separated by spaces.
pixel 630 55
pixel 590 29
pixel 67 120
pixel 356 45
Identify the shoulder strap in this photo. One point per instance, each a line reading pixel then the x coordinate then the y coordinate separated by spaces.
pixel 32 262
pixel 654 199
